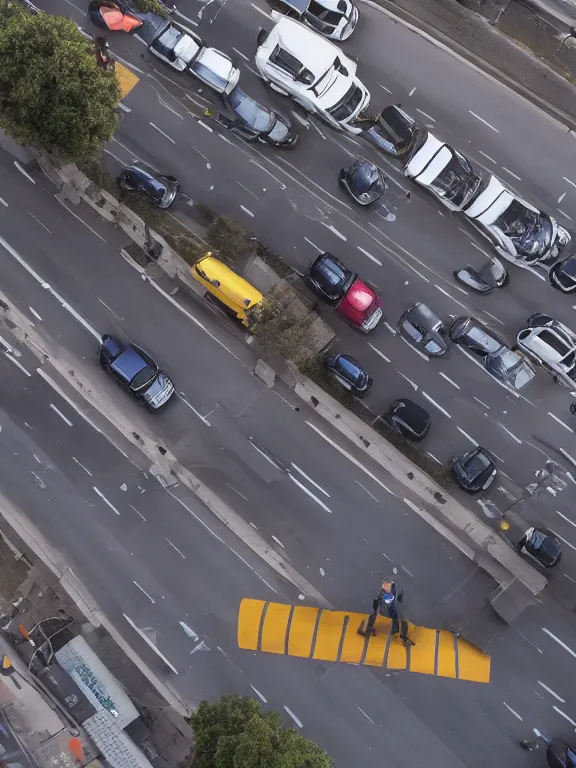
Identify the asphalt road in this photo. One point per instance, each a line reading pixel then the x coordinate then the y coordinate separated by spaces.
pixel 291 200
pixel 159 558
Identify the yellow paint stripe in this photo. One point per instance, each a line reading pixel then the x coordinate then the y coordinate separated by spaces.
pixel 472 663
pixel 302 631
pixel 249 618
pixel 329 635
pixel 423 653
pixel 396 658
pixel 353 646
pixel 377 645
pixel 275 628
pixel 446 655
pixel 126 78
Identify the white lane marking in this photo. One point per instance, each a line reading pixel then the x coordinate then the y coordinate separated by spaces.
pixel 568 180
pixel 313 245
pixel 162 132
pixel 563 539
pixel 300 119
pixel 479 364
pixel 407 571
pixel 512 435
pixel 144 592
pixel 63 204
pixel 188 631
pixel 377 261
pixel 5 204
pixel 257 692
pixel 392 330
pixel 513 711
pixel 110 309
pixel 349 457
pixel 82 466
pixel 149 642
pixel 478 248
pixel 440 213
pixel 562 196
pixel 467 436
pixel 564 715
pixel 236 491
pixel 412 384
pixel 334 230
pixel 313 124
pixel 449 379
pixel 420 354
pixel 208 127
pixel 367 491
pixel 277 540
pixel 487 156
pixel 437 405
pixel 246 211
pixel 59 413
pixel 425 115
pixel 264 454
pixel 39 222
pixel 309 493
pixel 483 121
pixel 497 319
pixel 570 578
pixel 242 55
pixel 105 500
pixel 451 297
pixel 412 92
pixel 268 16
pixel 36 315
pixel 564 213
pixel 387 89
pixel 481 403
pixel 560 642
pixel 561 422
pixel 319 487
pixel 552 693
pixel 511 173
pixel 203 419
pixel 293 716
pixel 182 555
pixel 247 190
pixel 138 513
pixel 17 363
pixel 365 715
pixel 24 172
pixel 566 518
pixel 382 355
pixel 434 458
pixel 567 456
pixel 124 108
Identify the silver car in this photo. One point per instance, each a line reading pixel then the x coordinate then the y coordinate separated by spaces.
pixel 553 345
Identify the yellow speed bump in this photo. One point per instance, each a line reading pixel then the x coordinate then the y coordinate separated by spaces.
pixel 126 78
pixel 332 636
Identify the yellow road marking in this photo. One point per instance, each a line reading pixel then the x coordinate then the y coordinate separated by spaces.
pixel 126 78
pixel 332 636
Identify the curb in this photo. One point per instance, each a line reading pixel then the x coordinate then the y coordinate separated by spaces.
pixel 459 52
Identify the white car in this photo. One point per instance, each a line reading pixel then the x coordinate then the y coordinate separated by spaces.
pixel 431 163
pixel 335 19
pixel 552 344
pixel 297 62
pixel 184 51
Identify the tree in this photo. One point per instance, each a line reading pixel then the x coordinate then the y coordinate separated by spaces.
pixel 53 94
pixel 234 733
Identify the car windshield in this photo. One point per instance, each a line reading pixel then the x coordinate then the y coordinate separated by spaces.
pixel 321 18
pixel 348 104
pixel 349 369
pixel 142 377
pixel 476 464
pixel 510 367
pixel 457 181
pixel 530 232
pixel 253 114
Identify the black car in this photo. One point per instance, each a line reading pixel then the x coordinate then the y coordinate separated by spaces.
pixel 349 374
pixel 499 360
pixel 484 280
pixel 475 470
pixel 562 275
pixel 134 370
pixel 408 419
pixel 541 544
pixel 422 328
pixel 329 278
pixel 364 181
pixel 140 178
pixel 257 123
pixel 560 755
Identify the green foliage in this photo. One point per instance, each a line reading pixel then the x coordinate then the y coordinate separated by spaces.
pixel 284 332
pixel 150 6
pixel 234 733
pixel 231 243
pixel 53 94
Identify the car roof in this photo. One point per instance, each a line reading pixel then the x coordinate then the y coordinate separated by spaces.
pixel 423 313
pixel 234 287
pixel 129 363
pixel 314 52
pixel 412 413
pixel 299 5
pixel 360 296
pixel 542 346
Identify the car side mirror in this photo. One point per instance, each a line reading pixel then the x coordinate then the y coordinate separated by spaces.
pixel 262 35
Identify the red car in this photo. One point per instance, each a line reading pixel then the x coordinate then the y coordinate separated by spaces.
pixel 354 299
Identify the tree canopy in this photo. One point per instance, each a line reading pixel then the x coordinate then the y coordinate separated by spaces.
pixel 53 94
pixel 234 733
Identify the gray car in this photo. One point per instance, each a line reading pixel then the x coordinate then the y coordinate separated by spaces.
pixel 423 329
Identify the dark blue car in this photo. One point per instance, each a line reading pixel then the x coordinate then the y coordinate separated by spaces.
pixel 134 370
pixel 138 177
pixel 349 374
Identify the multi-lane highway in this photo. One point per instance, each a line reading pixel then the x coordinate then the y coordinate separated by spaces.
pixel 410 247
